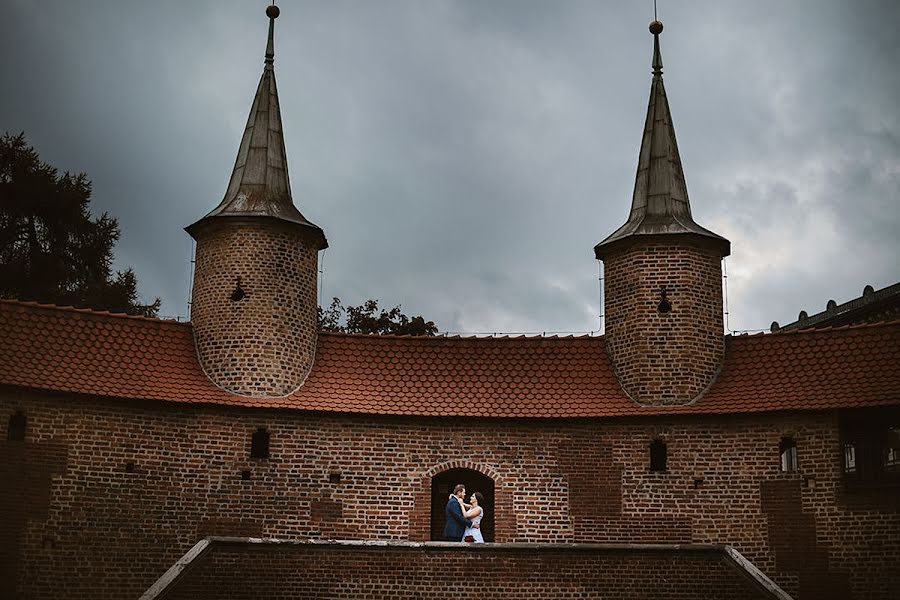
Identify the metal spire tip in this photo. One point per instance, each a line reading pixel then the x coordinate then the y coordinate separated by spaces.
pixel 656 28
pixel 272 12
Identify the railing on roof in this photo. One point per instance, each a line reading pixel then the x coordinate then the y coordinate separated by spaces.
pixel 833 309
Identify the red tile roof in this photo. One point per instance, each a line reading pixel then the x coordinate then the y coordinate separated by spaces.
pixel 86 352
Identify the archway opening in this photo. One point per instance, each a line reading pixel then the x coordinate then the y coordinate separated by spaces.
pixel 442 486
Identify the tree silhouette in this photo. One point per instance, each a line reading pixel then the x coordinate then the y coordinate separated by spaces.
pixel 367 318
pixel 51 249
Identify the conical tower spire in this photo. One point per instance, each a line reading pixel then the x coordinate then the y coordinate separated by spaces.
pixel 660 204
pixel 255 290
pixel 260 185
pixel 662 274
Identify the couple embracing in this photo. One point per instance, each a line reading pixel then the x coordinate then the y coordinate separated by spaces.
pixel 464 520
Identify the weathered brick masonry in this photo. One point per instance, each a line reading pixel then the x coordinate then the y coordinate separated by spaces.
pixel 261 342
pixel 107 495
pixel 664 357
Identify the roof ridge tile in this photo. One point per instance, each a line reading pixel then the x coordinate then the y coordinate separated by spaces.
pixel 391 336
pixel 89 311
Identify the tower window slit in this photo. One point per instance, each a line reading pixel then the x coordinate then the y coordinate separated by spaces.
pixel 259 444
pixel 16 429
pixel 658 456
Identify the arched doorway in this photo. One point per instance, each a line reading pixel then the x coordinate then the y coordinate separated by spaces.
pixel 442 485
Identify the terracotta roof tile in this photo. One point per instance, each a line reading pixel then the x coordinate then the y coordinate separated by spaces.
pixel 86 352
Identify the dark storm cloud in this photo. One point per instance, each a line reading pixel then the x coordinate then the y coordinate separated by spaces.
pixel 463 157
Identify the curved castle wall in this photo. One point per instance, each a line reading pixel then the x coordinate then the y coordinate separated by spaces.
pixel 254 306
pixel 664 357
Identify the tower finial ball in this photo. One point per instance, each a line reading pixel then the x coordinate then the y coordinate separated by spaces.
pixel 656 27
pixel 272 11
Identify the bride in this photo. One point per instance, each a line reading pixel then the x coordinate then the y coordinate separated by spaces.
pixel 475 512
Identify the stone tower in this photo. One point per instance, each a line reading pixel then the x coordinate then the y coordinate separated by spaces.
pixel 663 274
pixel 254 297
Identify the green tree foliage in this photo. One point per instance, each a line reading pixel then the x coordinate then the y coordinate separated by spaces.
pixel 51 249
pixel 367 318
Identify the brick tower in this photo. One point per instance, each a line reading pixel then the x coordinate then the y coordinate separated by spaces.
pixel 254 297
pixel 663 274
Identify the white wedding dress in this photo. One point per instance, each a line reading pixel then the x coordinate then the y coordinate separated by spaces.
pixel 475 532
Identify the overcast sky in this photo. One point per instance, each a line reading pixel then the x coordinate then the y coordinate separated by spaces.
pixel 463 157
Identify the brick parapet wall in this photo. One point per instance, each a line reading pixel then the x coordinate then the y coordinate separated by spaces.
pixel 240 570
pixel 664 357
pixel 263 344
pixel 106 532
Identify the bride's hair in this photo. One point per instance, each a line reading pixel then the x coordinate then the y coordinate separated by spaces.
pixel 479 497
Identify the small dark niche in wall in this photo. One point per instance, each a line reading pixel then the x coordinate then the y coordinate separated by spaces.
pixel 259 443
pixel 16 428
pixel 238 294
pixel 334 477
pixel 658 456
pixel 664 305
pixel 48 543
pixel 245 475
pixel 129 467
pixel 698 482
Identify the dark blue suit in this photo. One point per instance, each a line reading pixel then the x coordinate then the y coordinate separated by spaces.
pixel 456 522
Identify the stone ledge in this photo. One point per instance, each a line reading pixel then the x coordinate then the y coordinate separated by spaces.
pixel 461 546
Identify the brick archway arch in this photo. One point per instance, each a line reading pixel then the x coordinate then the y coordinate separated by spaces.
pixel 463 464
pixel 420 517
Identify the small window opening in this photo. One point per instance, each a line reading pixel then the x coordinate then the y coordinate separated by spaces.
pixel 850 457
pixel 664 305
pixel 788 450
pixel 245 475
pixel 238 294
pixel 657 456
pixel 129 467
pixel 892 449
pixel 259 444
pixel 871 446
pixel 16 429
pixel 334 477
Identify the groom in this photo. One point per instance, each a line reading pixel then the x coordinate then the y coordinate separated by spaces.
pixel 456 521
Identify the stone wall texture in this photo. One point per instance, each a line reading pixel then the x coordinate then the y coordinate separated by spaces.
pixel 103 496
pixel 245 573
pixel 264 343
pixel 664 357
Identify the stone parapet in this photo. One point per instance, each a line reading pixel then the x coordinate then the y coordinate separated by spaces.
pixel 238 568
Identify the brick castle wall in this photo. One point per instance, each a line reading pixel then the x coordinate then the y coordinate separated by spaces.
pixel 104 496
pixel 264 343
pixel 664 357
pixel 240 572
